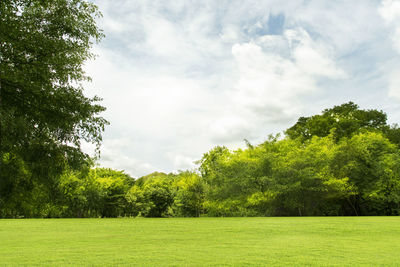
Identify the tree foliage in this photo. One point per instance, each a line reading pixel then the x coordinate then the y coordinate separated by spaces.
pixel 44 114
pixel 343 120
pixel 353 171
pixel 189 194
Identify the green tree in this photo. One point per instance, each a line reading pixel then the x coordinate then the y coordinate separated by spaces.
pixel 301 180
pixel 371 163
pixel 44 114
pixel 233 173
pixel 136 201
pixel 343 120
pixel 152 195
pixel 94 193
pixel 231 176
pixel 114 185
pixel 74 198
pixel 159 197
pixel 190 194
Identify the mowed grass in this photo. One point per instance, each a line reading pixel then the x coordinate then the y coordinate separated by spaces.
pixel 319 241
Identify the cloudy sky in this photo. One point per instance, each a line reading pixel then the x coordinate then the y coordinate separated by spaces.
pixel 179 77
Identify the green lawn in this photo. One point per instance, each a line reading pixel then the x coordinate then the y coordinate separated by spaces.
pixel 320 241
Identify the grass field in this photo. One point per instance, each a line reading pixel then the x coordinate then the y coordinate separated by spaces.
pixel 319 241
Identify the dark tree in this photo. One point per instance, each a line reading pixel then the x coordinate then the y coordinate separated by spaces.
pixel 44 114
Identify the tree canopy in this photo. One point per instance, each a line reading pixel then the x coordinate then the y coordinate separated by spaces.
pixel 355 173
pixel 344 120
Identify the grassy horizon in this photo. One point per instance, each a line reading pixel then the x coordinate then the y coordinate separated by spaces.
pixel 315 241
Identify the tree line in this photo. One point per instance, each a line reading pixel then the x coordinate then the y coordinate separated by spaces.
pixel 344 162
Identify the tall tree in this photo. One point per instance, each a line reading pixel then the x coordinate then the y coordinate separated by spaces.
pixel 44 114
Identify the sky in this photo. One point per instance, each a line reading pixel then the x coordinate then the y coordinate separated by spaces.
pixel 180 77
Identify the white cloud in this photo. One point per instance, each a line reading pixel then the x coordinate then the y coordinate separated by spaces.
pixel 230 128
pixel 345 25
pixel 230 34
pixel 270 82
pixel 394 84
pixel 117 153
pixel 390 12
pixel 180 77
pixel 311 57
pixel 182 162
